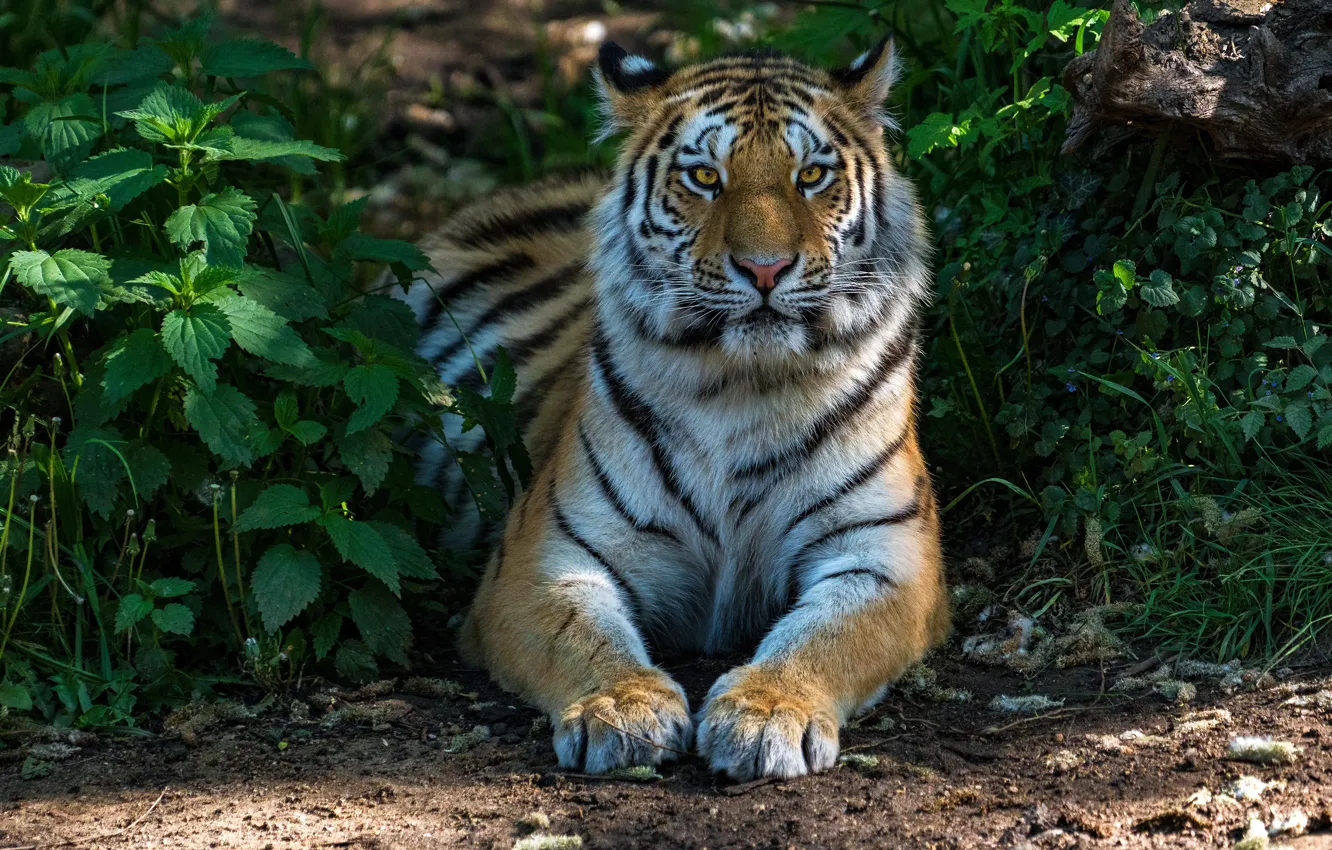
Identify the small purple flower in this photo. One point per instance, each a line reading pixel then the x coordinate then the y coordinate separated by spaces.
pixel 1071 370
pixel 1119 333
pixel 1070 387
pixel 1268 392
pixel 1169 378
pixel 1279 419
pixel 1045 298
pixel 1156 356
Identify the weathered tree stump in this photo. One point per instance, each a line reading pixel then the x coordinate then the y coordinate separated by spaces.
pixel 1256 76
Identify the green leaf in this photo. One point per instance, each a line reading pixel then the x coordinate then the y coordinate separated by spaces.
pixel 243 148
pixel 122 175
pixel 360 246
pixel 149 468
pixel 503 378
pixel 1281 342
pixel 969 13
pixel 361 544
pixel 289 297
pixel 133 608
pixel 367 454
pixel 125 66
pixel 66 129
pixel 134 361
pixel 94 457
pixel 412 560
pixel 285 581
pixel 11 138
pixel 222 221
pixel 325 631
pixel 1159 291
pixel 1299 418
pixel 307 432
pixel 69 277
pixel 225 421
pixel 194 338
pixel 169 588
pixel 334 493
pixel 342 222
pixel 327 372
pixel 355 662
pixel 1325 436
pixel 479 472
pixel 425 503
pixel 285 409
pixel 260 331
pixel 174 619
pixel 937 130
pixel 374 389
pixel 249 57
pixel 278 506
pixel 384 625
pixel 17 188
pixel 15 697
pixel 251 127
pixel 1126 273
pixel 1300 377
pixel 384 319
pixel 172 114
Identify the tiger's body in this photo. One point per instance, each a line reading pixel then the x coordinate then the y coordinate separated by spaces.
pixel 716 386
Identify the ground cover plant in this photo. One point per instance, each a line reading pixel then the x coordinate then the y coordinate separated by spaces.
pixel 205 392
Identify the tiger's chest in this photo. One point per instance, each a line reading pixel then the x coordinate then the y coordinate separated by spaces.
pixel 725 577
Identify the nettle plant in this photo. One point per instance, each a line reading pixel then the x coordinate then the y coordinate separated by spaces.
pixel 204 408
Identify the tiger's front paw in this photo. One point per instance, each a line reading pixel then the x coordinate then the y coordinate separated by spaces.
pixel 642 718
pixel 754 724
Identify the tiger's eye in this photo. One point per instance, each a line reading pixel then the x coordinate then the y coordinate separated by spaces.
pixel 705 176
pixel 811 174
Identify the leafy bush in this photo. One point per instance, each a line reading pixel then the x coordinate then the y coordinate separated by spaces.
pixel 204 410
pixel 1134 340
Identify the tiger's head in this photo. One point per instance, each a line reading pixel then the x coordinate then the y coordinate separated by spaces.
pixel 755 208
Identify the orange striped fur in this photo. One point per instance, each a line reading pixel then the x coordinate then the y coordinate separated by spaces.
pixel 715 351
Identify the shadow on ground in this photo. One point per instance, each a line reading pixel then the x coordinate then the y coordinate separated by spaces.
pixel 389 768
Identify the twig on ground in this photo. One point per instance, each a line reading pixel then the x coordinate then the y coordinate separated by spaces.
pixel 876 742
pixel 746 787
pixel 1142 666
pixel 98 838
pixel 1049 715
pixel 624 731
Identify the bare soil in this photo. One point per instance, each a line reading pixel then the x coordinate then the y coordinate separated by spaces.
pixel 948 775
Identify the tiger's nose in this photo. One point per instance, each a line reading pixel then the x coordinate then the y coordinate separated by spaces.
pixel 764 276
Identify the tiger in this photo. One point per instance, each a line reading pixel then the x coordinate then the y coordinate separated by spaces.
pixel 715 351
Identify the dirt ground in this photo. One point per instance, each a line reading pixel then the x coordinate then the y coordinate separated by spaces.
pixel 389 768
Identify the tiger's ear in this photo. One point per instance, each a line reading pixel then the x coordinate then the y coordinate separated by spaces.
pixel 629 86
pixel 866 82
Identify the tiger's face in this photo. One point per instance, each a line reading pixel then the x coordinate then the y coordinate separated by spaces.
pixel 756 209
